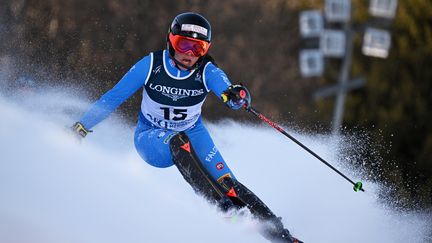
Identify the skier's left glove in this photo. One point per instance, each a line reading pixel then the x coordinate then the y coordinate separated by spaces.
pixel 236 97
pixel 79 130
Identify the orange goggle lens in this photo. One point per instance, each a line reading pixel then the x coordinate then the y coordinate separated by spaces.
pixel 184 44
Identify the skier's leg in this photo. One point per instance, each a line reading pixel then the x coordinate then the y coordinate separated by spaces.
pixel 203 167
pixel 213 178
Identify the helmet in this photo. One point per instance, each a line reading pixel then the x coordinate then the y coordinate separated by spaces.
pixel 193 26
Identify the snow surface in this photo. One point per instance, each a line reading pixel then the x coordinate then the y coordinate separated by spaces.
pixel 54 189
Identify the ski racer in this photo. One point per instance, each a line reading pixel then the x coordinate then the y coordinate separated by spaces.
pixel 170 130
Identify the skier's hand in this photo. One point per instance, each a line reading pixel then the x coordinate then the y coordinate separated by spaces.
pixel 236 97
pixel 80 131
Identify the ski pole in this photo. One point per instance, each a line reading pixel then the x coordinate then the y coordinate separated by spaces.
pixel 357 186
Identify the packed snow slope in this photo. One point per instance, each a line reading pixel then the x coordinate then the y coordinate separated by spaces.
pixel 54 189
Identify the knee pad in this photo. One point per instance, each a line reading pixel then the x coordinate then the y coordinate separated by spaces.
pixel 243 197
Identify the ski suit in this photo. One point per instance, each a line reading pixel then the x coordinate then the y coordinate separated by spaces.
pixel 170 118
pixel 172 101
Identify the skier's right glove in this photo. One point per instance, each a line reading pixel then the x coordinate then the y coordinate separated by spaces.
pixel 79 130
pixel 236 97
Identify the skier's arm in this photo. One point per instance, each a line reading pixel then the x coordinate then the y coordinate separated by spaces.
pixel 234 96
pixel 129 84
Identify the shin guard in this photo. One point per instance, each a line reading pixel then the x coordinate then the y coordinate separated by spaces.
pixel 194 172
pixel 241 196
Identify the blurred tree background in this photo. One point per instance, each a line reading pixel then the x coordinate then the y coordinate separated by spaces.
pixel 91 44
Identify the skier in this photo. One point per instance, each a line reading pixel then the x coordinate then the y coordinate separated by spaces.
pixel 170 130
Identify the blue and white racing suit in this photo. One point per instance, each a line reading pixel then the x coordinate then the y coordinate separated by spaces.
pixel 172 101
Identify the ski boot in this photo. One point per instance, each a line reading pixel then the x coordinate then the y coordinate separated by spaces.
pixel 274 231
pixel 287 237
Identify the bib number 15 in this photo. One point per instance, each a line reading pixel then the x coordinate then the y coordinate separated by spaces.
pixel 174 114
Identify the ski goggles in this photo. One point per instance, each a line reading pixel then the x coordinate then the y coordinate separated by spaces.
pixel 184 44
